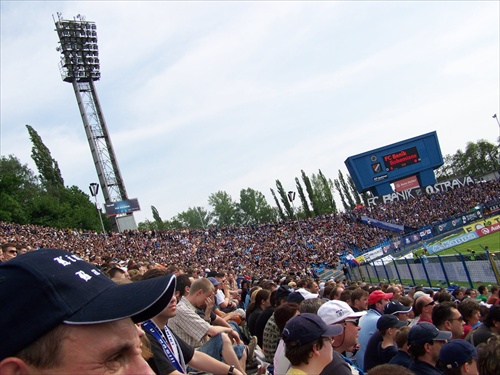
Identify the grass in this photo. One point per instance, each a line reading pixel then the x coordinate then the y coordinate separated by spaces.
pixel 491 240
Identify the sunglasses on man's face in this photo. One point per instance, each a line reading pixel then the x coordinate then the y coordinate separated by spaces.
pixel 353 321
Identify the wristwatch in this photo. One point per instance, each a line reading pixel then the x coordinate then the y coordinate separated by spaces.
pixel 230 371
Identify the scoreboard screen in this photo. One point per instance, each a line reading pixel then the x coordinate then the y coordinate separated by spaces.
pixel 375 170
pixel 401 159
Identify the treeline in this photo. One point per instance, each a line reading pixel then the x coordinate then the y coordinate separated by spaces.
pixel 315 195
pixel 43 199
pixel 27 198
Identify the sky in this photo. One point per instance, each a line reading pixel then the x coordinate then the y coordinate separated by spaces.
pixel 201 97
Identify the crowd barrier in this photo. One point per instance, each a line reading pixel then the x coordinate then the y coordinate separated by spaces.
pixel 435 271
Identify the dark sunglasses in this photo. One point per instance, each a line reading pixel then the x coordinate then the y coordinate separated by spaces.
pixel 353 321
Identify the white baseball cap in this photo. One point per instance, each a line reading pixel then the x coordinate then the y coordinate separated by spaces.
pixel 335 311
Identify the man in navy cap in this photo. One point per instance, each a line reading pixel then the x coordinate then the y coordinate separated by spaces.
pixel 458 357
pixel 308 343
pixel 425 342
pixel 61 315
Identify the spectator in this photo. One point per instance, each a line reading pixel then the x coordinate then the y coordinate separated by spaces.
pixel 389 369
pixel 490 327
pixel 282 315
pixel 376 303
pixel 172 355
pixel 483 293
pixel 470 310
pixel 425 342
pixel 264 317
pixel 383 351
pixel 488 357
pixel 262 302
pixel 308 343
pixel 359 299
pixel 458 357
pixel 446 317
pixel 216 341
pixel 340 313
pixel 398 309
pixel 423 309
pixel 402 357
pixel 9 251
pixel 493 299
pixel 88 321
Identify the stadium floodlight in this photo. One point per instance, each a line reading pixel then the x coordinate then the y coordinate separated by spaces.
pixel 78 46
pixel 80 66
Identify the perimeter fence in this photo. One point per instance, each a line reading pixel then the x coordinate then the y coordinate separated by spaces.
pixel 435 271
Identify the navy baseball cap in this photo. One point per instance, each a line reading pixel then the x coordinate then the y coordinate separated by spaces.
pixel 396 308
pixel 389 321
pixel 457 352
pixel 305 328
pixel 45 288
pixel 295 297
pixel 424 332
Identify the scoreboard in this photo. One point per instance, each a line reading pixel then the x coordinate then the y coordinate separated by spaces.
pixel 375 170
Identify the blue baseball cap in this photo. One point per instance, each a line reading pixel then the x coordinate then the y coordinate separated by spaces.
pixel 213 280
pixel 424 332
pixel 457 352
pixel 305 328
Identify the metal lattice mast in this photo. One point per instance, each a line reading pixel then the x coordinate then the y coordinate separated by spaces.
pixel 100 142
pixel 80 66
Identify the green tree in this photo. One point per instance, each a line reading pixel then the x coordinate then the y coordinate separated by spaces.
pixel 18 187
pixel 254 207
pixel 479 158
pixel 342 198
pixel 194 217
pixel 284 199
pixel 281 214
pixel 323 188
pixel 225 210
pixel 310 191
pixel 305 206
pixel 159 224
pixel 50 174
pixel 345 194
pixel 354 190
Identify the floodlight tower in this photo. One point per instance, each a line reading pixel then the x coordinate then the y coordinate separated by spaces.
pixel 79 66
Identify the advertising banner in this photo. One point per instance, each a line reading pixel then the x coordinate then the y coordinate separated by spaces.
pixel 488 230
pixel 406 183
pixel 122 207
pixel 382 224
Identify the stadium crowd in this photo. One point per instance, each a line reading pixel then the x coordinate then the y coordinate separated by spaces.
pixel 267 250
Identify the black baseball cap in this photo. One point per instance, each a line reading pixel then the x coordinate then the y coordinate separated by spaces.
pixel 424 332
pixel 305 328
pixel 389 321
pixel 45 288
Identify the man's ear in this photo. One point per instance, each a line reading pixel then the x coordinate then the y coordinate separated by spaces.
pixel 14 366
pixel 447 325
pixel 465 368
pixel 427 347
